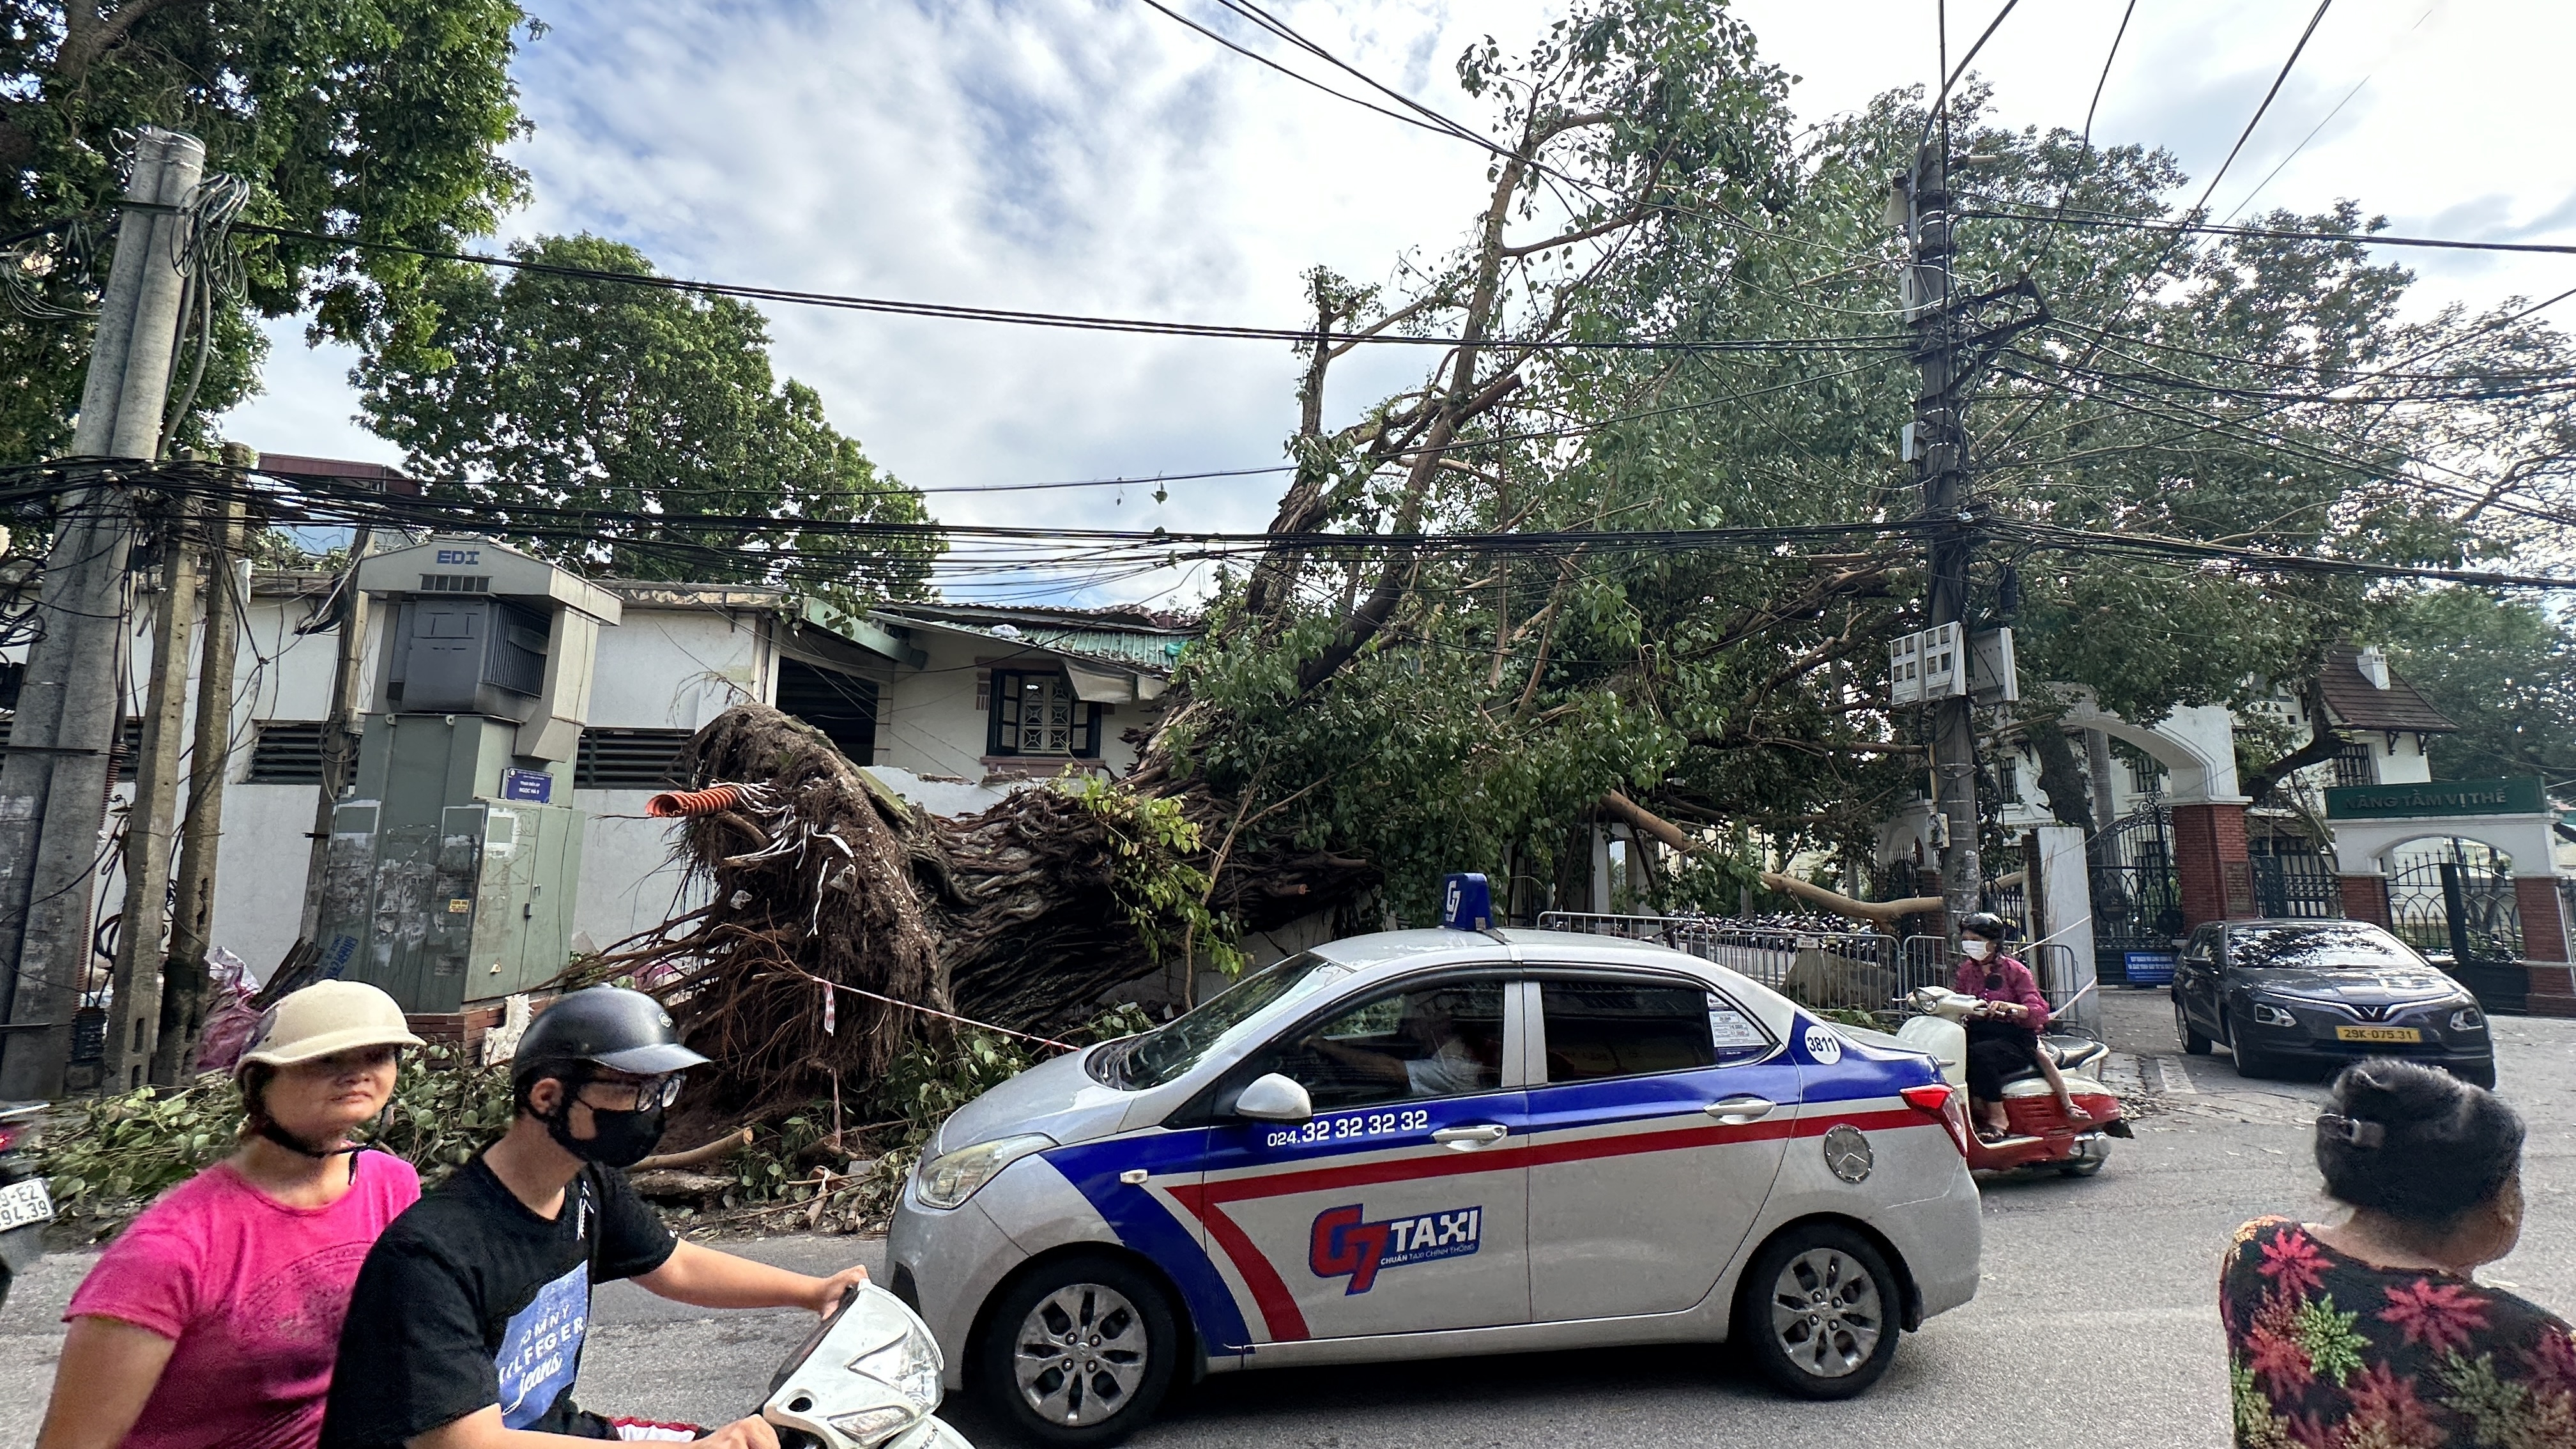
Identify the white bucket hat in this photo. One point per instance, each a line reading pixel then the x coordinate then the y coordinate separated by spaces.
pixel 327 1017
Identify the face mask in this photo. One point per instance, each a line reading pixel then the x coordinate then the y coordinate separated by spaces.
pixel 1977 950
pixel 625 1138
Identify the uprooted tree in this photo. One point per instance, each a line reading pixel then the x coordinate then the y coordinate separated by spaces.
pixel 1465 643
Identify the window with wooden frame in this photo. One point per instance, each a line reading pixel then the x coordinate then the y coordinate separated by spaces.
pixel 1038 714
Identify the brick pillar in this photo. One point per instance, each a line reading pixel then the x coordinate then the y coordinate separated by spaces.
pixel 2365 898
pixel 2210 863
pixel 2544 945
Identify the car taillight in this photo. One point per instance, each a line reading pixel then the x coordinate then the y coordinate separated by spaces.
pixel 8 1136
pixel 1942 1101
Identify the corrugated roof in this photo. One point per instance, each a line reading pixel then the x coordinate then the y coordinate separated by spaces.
pixel 2358 704
pixel 1136 638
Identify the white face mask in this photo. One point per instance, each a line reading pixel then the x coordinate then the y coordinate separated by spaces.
pixel 1977 950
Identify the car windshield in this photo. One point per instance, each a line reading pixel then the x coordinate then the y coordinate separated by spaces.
pixel 1169 1050
pixel 2327 946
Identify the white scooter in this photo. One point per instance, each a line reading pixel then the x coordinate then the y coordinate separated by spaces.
pixel 2038 1132
pixel 867 1378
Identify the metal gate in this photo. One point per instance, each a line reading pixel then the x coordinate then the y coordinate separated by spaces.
pixel 2296 883
pixel 2455 897
pixel 2137 898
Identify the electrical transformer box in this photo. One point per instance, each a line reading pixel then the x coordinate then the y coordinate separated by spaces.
pixel 473 908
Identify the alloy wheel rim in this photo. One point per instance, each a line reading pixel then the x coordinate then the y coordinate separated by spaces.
pixel 1080 1355
pixel 1826 1313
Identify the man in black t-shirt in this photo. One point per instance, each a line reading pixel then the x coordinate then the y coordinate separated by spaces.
pixel 465 1330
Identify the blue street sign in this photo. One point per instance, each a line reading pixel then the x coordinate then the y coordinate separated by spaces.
pixel 534 786
pixel 1468 903
pixel 2148 968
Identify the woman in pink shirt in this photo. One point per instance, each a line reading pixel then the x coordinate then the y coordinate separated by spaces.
pixel 213 1321
pixel 2004 1035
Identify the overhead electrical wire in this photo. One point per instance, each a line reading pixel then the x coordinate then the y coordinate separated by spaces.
pixel 1891 342
pixel 2078 217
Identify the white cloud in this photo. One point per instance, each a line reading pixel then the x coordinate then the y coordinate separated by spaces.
pixel 1093 156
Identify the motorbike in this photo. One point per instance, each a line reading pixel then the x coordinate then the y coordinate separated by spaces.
pixel 2039 1134
pixel 866 1378
pixel 24 1206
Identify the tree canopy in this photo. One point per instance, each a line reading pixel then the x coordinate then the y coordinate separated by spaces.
pixel 351 120
pixel 549 400
pixel 2181 398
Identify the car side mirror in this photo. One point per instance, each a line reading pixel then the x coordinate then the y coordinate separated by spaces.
pixel 1274 1098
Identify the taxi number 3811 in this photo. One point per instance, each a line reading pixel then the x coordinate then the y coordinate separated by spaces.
pixel 1357 1124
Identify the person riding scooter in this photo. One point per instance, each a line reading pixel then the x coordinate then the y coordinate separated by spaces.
pixel 2004 1035
pixel 466 1327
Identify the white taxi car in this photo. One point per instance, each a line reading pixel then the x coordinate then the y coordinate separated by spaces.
pixel 1429 1143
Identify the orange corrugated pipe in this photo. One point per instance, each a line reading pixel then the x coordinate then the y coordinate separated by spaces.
pixel 676 804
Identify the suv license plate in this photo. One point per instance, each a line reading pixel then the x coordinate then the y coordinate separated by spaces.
pixel 2378 1033
pixel 22 1203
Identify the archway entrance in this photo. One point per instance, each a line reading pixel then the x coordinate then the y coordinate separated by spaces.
pixel 2455 895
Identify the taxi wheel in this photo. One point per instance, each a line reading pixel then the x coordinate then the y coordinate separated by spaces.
pixel 1818 1311
pixel 1079 1352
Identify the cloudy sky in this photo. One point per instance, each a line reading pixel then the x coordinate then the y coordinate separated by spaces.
pixel 1095 156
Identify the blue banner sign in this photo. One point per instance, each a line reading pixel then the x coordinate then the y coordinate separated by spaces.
pixel 2148 968
pixel 534 786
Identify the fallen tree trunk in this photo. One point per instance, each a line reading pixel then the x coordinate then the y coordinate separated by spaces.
pixel 1876 913
pixel 819 879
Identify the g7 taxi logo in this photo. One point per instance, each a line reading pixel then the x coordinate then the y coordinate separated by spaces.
pixel 1343 1243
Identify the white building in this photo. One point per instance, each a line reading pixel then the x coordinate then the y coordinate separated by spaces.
pixel 953 704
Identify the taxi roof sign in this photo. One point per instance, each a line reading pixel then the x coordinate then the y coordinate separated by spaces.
pixel 1467 904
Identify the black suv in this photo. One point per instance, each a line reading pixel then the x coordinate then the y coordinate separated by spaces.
pixel 2289 993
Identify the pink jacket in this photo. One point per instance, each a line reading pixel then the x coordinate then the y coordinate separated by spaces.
pixel 2018 986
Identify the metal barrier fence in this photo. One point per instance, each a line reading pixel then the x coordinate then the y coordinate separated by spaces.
pixel 1851 970
pixel 1930 959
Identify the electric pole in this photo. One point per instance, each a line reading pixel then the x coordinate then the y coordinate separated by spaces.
pixel 192 914
pixel 1941 448
pixel 54 781
pixel 339 742
pixel 134 980
pixel 1953 344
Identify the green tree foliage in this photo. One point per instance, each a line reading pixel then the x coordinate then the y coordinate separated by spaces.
pixel 536 392
pixel 1469 709
pixel 2503 669
pixel 374 120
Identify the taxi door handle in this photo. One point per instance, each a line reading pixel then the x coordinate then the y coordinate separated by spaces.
pixel 1740 1109
pixel 1468 1139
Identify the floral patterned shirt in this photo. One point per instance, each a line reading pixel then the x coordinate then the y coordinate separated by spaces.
pixel 2325 1351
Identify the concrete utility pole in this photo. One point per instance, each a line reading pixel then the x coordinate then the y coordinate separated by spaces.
pixel 1941 448
pixel 134 990
pixel 183 976
pixel 54 781
pixel 339 744
pixel 1953 343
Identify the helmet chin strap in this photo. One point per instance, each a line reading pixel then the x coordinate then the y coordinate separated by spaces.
pixel 270 1129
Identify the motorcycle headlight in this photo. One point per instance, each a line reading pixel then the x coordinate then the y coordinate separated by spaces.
pixel 909 1366
pixel 953 1177
pixel 872 1427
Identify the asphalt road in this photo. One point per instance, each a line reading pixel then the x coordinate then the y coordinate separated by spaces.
pixel 2095 1323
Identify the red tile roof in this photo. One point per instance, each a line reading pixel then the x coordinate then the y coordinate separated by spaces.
pixel 2358 704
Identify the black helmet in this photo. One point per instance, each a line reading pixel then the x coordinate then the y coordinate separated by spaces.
pixel 1983 923
pixel 607 1026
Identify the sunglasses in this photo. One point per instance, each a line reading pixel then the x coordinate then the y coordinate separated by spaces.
pixel 634 1094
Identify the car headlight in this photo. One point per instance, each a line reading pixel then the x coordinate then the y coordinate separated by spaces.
pixel 2266 1014
pixel 2468 1018
pixel 952 1177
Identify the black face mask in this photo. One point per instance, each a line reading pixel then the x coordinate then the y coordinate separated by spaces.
pixel 625 1138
